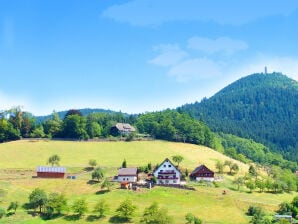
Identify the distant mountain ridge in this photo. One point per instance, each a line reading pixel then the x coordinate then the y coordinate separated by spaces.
pixel 263 107
pixel 84 111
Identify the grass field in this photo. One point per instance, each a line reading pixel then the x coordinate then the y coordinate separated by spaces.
pixel 19 159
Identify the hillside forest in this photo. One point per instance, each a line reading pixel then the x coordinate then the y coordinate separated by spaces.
pixel 169 125
pixel 262 107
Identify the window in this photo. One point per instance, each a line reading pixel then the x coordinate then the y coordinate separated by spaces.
pixel 165 165
pixel 169 165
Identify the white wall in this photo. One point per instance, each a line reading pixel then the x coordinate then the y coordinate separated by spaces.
pixel 127 178
pixel 167 166
pixel 205 178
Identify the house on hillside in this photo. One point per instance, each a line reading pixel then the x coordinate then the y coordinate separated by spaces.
pixel 51 171
pixel 128 175
pixel 122 129
pixel 167 173
pixel 202 172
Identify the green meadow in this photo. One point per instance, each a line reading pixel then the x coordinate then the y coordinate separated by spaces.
pixel 19 159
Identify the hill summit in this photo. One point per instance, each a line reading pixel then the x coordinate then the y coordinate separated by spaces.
pixel 260 106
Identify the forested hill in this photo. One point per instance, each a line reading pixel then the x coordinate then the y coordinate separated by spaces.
pixel 263 107
pixel 84 112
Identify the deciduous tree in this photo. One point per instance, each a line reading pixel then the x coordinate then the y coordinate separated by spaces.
pixel 177 159
pixel 54 160
pixel 56 203
pixel 80 207
pixel 38 199
pixel 219 166
pixel 101 208
pixel 126 210
pixel 156 215
pixel 92 163
pixel 97 174
pixel 106 184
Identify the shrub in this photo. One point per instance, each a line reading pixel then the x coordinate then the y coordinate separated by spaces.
pixel 2 212
pixel 80 207
pixel 126 210
pixel 101 208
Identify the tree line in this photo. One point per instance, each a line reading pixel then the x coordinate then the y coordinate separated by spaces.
pixel 53 205
pixel 167 125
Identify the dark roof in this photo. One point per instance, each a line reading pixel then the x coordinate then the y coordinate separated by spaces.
pixel 127 171
pixel 51 169
pixel 125 127
pixel 202 169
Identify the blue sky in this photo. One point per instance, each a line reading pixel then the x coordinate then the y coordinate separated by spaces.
pixel 139 55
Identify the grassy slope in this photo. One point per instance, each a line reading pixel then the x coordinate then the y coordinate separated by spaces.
pixel 207 203
pixel 29 154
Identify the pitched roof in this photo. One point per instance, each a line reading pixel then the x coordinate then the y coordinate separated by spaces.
pixel 202 168
pixel 51 169
pixel 167 160
pixel 124 127
pixel 127 171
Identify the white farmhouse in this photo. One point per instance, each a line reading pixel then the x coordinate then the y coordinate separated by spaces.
pixel 167 173
pixel 129 175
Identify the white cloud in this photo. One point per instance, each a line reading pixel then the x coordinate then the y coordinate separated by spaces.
pixel 223 44
pixel 231 12
pixel 169 55
pixel 195 69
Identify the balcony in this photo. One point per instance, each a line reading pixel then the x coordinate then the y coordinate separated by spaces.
pixel 167 178
pixel 166 172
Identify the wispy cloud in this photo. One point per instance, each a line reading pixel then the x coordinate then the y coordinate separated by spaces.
pixel 223 44
pixel 195 69
pixel 184 64
pixel 228 12
pixel 170 54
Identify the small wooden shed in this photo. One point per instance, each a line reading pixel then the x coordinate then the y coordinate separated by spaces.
pixel 51 171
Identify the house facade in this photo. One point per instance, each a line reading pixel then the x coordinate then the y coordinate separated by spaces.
pixel 51 171
pixel 202 173
pixel 167 173
pixel 129 175
pixel 122 129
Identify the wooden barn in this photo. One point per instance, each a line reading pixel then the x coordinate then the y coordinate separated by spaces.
pixel 202 173
pixel 122 129
pixel 50 171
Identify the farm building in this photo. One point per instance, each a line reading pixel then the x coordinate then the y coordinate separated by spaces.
pixel 202 173
pixel 122 129
pixel 167 173
pixel 129 175
pixel 50 172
